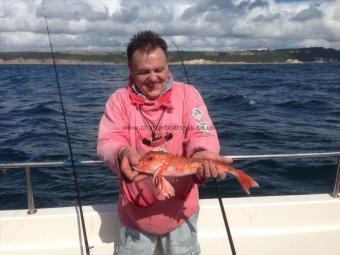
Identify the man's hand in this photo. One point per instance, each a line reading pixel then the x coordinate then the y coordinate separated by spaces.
pixel 128 158
pixel 210 169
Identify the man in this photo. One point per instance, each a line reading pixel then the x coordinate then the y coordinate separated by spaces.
pixel 156 113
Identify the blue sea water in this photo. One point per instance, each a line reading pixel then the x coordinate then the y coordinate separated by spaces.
pixel 257 109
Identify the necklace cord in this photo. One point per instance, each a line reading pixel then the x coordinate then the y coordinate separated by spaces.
pixel 224 215
pixel 75 175
pixel 150 124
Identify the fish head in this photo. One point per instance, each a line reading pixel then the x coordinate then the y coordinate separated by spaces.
pixel 151 162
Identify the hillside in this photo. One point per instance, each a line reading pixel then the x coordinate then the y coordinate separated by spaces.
pixel 297 55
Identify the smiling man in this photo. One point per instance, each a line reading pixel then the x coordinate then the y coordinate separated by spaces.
pixel 156 113
pixel 149 72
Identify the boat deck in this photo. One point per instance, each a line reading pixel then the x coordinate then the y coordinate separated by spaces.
pixel 304 224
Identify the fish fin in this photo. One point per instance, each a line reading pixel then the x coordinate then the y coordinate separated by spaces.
pixel 156 176
pixel 246 181
pixel 157 180
pixel 166 188
pixel 163 185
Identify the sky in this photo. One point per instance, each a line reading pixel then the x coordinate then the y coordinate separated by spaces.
pixel 220 25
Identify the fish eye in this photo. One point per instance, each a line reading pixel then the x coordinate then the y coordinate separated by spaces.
pixel 150 157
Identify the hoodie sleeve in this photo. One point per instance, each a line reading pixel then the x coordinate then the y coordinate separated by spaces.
pixel 112 136
pixel 200 131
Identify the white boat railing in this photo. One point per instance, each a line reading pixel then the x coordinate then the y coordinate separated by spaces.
pixel 31 165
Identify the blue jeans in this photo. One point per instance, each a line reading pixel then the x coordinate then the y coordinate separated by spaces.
pixel 181 241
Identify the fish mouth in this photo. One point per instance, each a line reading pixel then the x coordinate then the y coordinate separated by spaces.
pixel 137 169
pixel 141 172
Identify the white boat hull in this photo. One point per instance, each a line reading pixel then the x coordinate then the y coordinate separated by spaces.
pixel 304 224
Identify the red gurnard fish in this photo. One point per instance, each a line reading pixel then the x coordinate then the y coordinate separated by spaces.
pixel 160 164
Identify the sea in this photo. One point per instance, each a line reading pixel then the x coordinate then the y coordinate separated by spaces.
pixel 257 109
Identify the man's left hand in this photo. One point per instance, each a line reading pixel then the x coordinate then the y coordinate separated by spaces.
pixel 209 168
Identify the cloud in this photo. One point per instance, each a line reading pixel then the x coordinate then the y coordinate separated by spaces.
pixel 267 18
pixel 192 24
pixel 70 10
pixel 126 16
pixel 143 12
pixel 311 12
pixel 210 9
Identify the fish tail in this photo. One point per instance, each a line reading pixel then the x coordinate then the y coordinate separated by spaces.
pixel 246 181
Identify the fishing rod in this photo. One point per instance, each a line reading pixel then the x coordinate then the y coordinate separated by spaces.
pixel 75 175
pixel 217 187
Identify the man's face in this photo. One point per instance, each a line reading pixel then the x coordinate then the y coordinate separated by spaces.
pixel 149 72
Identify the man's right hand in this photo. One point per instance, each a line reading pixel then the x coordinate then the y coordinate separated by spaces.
pixel 129 158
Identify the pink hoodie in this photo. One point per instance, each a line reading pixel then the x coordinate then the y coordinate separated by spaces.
pixel 186 117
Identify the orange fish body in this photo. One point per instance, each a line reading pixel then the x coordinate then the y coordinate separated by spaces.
pixel 160 164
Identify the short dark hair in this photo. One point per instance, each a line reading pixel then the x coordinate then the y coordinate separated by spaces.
pixel 146 41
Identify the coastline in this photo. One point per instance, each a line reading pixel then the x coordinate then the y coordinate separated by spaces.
pixel 279 56
pixel 186 62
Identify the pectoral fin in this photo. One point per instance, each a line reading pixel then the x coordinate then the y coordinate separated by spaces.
pixel 166 188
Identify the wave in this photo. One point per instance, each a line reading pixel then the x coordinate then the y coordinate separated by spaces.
pixel 39 109
pixel 312 105
pixel 9 154
pixel 230 101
